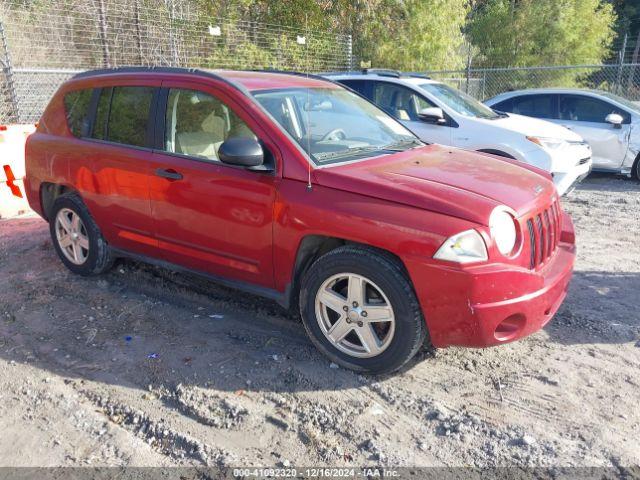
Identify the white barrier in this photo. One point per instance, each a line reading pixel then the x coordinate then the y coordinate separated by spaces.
pixel 12 169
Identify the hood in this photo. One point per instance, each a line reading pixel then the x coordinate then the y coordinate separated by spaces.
pixel 446 180
pixel 533 127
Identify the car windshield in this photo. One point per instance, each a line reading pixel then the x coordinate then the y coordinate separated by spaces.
pixel 623 101
pixel 459 102
pixel 334 124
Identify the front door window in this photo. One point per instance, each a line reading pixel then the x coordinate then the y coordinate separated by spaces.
pixel 198 123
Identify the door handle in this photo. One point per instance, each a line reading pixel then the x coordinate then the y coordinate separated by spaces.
pixel 169 174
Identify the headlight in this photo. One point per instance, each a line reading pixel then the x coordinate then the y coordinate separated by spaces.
pixel 548 143
pixel 463 247
pixel 503 230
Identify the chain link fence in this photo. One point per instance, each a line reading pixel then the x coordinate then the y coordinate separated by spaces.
pixel 484 83
pixel 43 43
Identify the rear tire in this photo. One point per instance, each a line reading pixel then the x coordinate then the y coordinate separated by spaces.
pixel 635 172
pixel 76 237
pixel 359 309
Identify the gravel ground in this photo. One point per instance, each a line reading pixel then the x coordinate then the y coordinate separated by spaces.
pixel 143 366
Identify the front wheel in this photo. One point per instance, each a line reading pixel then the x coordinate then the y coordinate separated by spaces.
pixel 359 309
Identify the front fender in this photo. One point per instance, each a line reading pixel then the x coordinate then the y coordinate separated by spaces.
pixel 397 228
pixel 632 151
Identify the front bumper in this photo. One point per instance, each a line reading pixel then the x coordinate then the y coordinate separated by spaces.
pixel 569 166
pixel 495 303
pixel 565 182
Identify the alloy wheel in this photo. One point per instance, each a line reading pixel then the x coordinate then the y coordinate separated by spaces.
pixel 72 236
pixel 355 315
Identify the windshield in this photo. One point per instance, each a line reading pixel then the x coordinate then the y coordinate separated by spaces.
pixel 459 102
pixel 334 124
pixel 623 101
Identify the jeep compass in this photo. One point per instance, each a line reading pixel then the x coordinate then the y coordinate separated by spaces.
pixel 295 188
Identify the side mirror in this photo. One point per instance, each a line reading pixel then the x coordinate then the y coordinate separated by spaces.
pixel 241 151
pixel 615 120
pixel 432 115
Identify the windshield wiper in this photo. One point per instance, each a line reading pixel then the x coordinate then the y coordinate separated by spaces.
pixel 400 146
pixel 500 114
pixel 345 153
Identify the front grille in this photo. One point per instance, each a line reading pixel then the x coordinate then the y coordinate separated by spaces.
pixel 583 161
pixel 544 234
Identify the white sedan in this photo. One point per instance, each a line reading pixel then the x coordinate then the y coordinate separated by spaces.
pixel 438 113
pixel 611 124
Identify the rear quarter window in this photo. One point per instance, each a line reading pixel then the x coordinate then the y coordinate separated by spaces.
pixel 76 105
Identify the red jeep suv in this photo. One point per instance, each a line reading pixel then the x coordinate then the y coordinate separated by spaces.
pixel 295 188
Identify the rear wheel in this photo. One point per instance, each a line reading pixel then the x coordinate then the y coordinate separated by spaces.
pixel 77 238
pixel 636 169
pixel 359 309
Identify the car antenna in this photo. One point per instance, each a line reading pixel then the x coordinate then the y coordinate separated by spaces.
pixel 306 54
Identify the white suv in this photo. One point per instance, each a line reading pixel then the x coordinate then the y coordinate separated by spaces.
pixel 438 113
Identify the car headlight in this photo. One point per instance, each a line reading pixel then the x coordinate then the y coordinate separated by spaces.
pixel 464 247
pixel 548 143
pixel 503 230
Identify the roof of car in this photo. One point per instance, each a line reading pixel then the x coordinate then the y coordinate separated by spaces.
pixel 245 79
pixel 534 91
pixel 381 74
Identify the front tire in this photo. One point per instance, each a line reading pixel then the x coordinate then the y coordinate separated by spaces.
pixel 76 237
pixel 636 169
pixel 359 309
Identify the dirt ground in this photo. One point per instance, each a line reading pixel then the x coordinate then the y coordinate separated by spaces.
pixel 145 367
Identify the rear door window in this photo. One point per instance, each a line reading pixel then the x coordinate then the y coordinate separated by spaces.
pixel 129 115
pixel 359 86
pixel 504 106
pixel 77 105
pixel 579 108
pixel 538 106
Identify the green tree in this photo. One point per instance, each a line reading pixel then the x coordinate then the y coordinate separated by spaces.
pixel 518 33
pixel 417 35
pixel 404 34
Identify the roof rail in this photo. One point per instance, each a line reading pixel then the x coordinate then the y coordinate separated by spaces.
pixel 296 73
pixel 417 75
pixel 162 69
pixel 383 72
pixel 134 69
pixel 386 72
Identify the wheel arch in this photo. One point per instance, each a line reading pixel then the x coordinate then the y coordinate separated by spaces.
pixel 635 167
pixel 49 192
pixel 312 247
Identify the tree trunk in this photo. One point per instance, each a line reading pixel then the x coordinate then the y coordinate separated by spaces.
pixel 138 34
pixel 102 29
pixel 634 60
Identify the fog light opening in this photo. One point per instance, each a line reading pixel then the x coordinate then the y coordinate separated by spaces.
pixel 509 327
